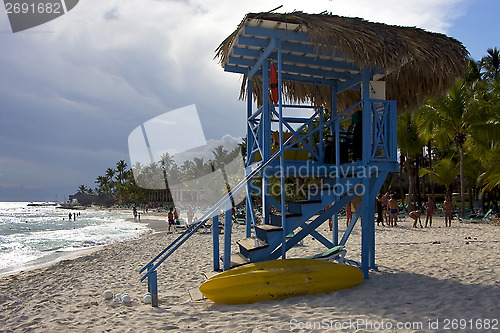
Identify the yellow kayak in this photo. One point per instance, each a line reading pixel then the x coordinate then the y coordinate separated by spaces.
pixel 279 279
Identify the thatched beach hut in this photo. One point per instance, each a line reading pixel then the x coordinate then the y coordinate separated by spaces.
pixel 415 63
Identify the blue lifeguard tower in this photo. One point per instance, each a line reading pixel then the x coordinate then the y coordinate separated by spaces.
pixel 336 83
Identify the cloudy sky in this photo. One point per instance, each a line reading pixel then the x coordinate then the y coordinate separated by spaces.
pixel 73 89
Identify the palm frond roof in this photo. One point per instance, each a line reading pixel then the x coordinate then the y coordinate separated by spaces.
pixel 414 63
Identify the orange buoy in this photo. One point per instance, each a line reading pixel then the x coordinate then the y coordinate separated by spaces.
pixel 274 84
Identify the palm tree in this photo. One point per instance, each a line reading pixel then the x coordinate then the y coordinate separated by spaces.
pixel 82 189
pixel 456 118
pixel 491 64
pixel 167 161
pixel 410 145
pixel 445 173
pixel 243 149
pixel 110 173
pixel 199 167
pixel 491 175
pixel 121 167
pixel 103 184
pixel 220 156
pixel 473 71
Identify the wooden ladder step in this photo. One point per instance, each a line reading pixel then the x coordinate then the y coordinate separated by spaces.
pixel 268 227
pixel 305 201
pixel 238 259
pixel 287 214
pixel 252 244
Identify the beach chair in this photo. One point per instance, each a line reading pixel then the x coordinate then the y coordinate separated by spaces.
pixel 180 224
pixel 335 253
pixel 475 219
pixel 238 220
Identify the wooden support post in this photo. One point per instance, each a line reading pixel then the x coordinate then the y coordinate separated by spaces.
pixel 149 280
pixel 152 280
pixel 249 208
pixel 215 242
pixel 282 157
pixel 250 141
pixel 367 207
pixel 227 236
pixel 333 113
pixel 265 137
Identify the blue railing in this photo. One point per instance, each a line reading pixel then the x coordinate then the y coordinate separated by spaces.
pixel 152 265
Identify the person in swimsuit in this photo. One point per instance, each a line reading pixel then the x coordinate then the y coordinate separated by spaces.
pixel 348 214
pixel 393 211
pixel 415 215
pixel 171 220
pixel 447 207
pixel 384 201
pixel 430 209
pixel 379 210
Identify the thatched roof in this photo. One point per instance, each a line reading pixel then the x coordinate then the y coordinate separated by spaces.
pixel 414 63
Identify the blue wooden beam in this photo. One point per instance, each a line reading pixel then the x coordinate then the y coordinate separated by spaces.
pixel 289 47
pixel 293 58
pixel 286 76
pixel 355 80
pixel 322 239
pixel 263 57
pixel 255 42
pixel 215 242
pixel 265 141
pixel 227 236
pixel 238 69
pixel 367 205
pixel 296 36
pixel 282 156
pixel 250 144
pixel 309 79
pixel 310 71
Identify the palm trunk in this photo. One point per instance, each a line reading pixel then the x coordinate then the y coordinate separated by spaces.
pixel 401 164
pixel 462 184
pixel 418 193
pixel 411 182
pixel 433 192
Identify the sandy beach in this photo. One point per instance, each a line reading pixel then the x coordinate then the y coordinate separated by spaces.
pixel 428 280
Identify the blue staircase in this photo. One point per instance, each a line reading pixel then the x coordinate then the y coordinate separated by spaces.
pixel 302 219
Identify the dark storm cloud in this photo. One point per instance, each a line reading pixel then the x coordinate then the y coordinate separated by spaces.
pixel 71 91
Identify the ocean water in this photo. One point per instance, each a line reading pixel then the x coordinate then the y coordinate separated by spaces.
pixel 30 234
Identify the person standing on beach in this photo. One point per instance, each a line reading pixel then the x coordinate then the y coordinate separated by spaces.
pixel 430 209
pixel 447 207
pixel 330 221
pixel 384 201
pixel 190 215
pixel 171 220
pixel 393 211
pixel 70 216
pixel 134 211
pixel 348 214
pixel 379 209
